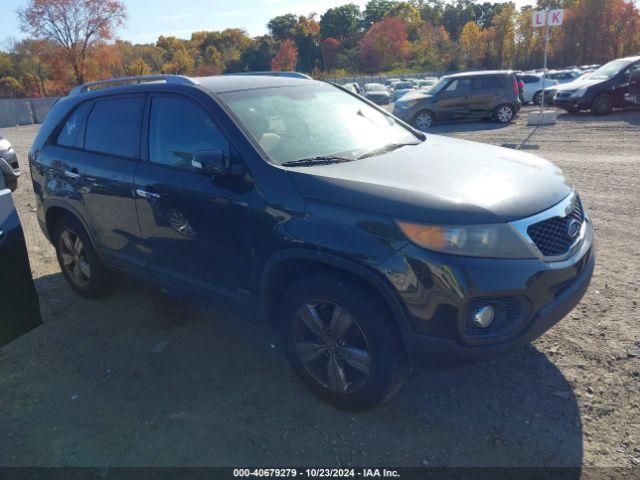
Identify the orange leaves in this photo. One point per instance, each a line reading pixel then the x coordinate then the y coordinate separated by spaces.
pixel 385 45
pixel 286 58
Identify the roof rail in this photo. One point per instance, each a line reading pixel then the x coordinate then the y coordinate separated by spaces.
pixel 115 82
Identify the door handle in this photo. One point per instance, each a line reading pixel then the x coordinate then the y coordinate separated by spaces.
pixel 142 193
pixel 72 173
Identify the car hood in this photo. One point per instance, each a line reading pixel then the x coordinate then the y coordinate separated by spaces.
pixel 442 180
pixel 579 83
pixel 414 95
pixel 377 92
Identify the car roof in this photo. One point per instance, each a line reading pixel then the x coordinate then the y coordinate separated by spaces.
pixel 213 84
pixel 480 73
pixel 229 83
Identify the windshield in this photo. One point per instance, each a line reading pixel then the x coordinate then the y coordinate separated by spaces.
pixel 439 85
pixel 319 120
pixel 610 69
pixel 402 85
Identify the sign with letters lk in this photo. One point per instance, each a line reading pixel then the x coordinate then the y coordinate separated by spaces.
pixel 553 18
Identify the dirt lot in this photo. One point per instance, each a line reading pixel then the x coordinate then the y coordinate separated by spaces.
pixel 86 388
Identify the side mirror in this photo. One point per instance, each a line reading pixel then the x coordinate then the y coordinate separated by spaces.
pixel 210 162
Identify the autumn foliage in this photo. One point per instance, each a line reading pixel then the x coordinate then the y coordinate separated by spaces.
pixel 286 58
pixel 385 46
pixel 73 41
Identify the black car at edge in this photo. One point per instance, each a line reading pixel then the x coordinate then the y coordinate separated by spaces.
pixel 19 304
pixel 369 245
pixel 602 90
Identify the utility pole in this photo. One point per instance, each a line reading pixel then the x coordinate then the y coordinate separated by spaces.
pixel 546 49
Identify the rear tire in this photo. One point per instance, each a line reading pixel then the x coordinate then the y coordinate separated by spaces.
pixel 424 120
pixel 537 98
pixel 78 260
pixel 504 113
pixel 602 104
pixel 341 340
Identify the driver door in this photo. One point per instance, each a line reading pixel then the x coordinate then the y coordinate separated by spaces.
pixel 453 101
pixel 195 227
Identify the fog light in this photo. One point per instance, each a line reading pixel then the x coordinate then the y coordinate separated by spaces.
pixel 483 317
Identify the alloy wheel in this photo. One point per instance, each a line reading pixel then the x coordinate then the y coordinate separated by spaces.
pixel 74 258
pixel 504 113
pixel 424 120
pixel 331 346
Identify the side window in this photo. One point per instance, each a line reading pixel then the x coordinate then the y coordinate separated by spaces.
pixel 487 83
pixel 72 133
pixel 178 129
pixel 459 85
pixel 113 126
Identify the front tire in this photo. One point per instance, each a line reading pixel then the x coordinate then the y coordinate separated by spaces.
pixel 78 260
pixel 602 104
pixel 341 340
pixel 424 120
pixel 504 113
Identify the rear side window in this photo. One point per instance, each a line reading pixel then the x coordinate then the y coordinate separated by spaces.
pixel 113 126
pixel 72 133
pixel 488 83
pixel 178 129
pixel 530 79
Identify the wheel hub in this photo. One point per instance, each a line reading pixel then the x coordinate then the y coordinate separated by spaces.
pixel 331 346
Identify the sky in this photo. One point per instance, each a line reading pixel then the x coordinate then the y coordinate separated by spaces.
pixel 149 19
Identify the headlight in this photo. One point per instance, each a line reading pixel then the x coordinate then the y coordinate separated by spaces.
pixel 491 240
pixel 5 144
pixel 407 103
pixel 579 92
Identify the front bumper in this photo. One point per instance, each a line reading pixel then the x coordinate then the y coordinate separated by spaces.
pixel 571 103
pixel 438 291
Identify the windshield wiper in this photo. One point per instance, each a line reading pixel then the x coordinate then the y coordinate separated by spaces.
pixel 387 148
pixel 319 160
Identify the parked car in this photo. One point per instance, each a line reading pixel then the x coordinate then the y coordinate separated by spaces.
pixel 550 93
pixel 426 83
pixel 377 93
pixel 603 90
pixel 632 97
pixel 563 76
pixel 400 88
pixel 532 91
pixel 9 167
pixel 353 87
pixel 369 245
pixel 18 298
pixel 489 94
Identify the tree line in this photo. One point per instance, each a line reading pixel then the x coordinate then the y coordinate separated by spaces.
pixel 74 41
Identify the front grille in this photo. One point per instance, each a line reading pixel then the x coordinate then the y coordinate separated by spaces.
pixel 508 311
pixel 551 236
pixel 564 94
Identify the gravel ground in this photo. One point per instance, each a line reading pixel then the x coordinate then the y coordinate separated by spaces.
pixel 96 385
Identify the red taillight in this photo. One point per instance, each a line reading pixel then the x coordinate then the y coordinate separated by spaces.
pixel 521 84
pixel 515 87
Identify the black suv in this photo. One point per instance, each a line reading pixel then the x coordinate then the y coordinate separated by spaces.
pixel 370 245
pixel 602 90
